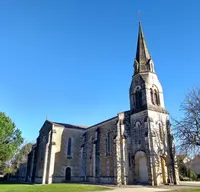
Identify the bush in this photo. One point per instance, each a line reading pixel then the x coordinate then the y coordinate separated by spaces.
pixel 184 178
pixel 193 176
pixel 198 179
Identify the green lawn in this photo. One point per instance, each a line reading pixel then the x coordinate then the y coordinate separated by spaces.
pixel 50 188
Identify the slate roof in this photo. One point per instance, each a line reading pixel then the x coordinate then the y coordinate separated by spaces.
pixel 142 54
pixel 69 125
pixel 79 126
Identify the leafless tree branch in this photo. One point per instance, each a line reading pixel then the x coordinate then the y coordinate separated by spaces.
pixel 187 129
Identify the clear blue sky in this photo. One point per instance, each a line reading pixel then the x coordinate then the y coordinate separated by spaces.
pixel 73 60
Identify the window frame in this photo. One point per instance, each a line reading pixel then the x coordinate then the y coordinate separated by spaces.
pixel 152 96
pixel 138 98
pixel 156 97
pixel 161 133
pixel 69 147
pixel 108 144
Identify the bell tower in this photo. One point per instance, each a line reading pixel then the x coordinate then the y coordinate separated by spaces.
pixel 150 137
pixel 145 90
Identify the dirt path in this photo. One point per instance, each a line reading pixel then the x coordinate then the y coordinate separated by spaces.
pixel 137 188
pixel 140 189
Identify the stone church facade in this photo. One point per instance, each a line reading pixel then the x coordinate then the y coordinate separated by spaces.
pixel 134 147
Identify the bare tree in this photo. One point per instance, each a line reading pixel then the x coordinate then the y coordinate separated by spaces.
pixel 187 129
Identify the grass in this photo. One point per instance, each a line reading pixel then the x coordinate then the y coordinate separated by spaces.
pixel 18 187
pixel 50 188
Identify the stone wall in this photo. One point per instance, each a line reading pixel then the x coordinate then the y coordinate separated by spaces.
pixel 42 152
pixel 99 164
pixel 62 161
pixel 131 135
pixel 30 164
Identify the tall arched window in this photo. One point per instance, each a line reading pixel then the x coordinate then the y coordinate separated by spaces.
pixel 129 159
pixel 139 129
pixel 151 93
pixel 43 147
pixel 108 147
pixel 156 97
pixel 138 96
pixel 160 131
pixel 69 147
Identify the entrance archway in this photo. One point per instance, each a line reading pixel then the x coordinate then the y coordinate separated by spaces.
pixel 141 167
pixel 164 170
pixel 68 174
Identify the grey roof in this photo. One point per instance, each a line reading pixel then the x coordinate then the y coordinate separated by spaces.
pixel 102 122
pixel 79 126
pixel 70 125
pixel 142 54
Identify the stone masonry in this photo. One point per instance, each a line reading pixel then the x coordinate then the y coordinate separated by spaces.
pixel 135 147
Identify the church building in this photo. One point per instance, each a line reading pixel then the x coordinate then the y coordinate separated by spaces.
pixel 134 147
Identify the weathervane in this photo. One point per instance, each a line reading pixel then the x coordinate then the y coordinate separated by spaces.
pixel 139 16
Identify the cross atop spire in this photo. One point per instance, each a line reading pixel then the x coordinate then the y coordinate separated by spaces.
pixel 143 60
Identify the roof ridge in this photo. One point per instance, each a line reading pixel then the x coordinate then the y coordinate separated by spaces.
pixel 67 124
pixel 112 118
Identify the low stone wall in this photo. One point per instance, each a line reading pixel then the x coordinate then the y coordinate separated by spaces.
pixel 38 180
pixel 59 179
pixel 102 179
pixel 78 179
pixel 90 179
pixel 107 180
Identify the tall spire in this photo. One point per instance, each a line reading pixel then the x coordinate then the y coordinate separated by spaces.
pixel 143 60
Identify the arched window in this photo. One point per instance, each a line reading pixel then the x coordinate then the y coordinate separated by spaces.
pixel 69 147
pixel 160 131
pixel 156 97
pixel 108 144
pixel 151 93
pixel 138 96
pixel 139 129
pixel 43 147
pixel 129 160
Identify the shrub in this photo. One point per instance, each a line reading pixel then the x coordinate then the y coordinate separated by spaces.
pixel 193 176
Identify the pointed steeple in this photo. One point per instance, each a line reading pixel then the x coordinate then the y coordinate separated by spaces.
pixel 143 60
